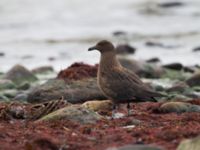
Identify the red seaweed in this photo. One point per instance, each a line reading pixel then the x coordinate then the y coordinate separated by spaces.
pixel 78 71
pixel 164 130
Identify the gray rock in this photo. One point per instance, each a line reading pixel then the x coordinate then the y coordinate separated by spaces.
pixel 21 97
pixel 178 87
pixel 196 49
pixel 24 86
pixel 131 64
pixel 2 54
pixel 177 96
pixel 178 107
pixel 74 91
pixel 194 80
pixel 171 4
pixel 159 44
pixel 6 84
pixel 142 69
pixel 75 113
pixel 174 66
pixel 124 49
pixel 175 75
pixel 27 57
pixel 19 74
pixel 120 33
pixel 136 147
pixel 153 60
pixel 10 93
pixel 190 144
pixel 191 93
pixel 190 69
pixel 196 88
pixel 3 98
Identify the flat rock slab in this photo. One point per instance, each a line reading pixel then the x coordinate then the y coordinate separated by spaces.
pixel 75 113
pixel 190 144
pixel 136 147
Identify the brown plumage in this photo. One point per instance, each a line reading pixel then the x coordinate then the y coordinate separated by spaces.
pixel 118 83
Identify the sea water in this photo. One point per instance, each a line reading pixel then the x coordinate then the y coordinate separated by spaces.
pixel 58 32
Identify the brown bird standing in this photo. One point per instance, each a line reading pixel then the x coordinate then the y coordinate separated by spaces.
pixel 118 83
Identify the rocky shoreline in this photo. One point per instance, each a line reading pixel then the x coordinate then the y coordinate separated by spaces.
pixel 43 109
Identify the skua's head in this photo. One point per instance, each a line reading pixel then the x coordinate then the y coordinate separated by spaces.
pixel 103 46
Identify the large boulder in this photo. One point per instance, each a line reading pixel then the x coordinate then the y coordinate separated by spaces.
pixel 19 74
pixel 73 91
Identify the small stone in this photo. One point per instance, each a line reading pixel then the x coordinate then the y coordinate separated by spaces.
pixel 24 86
pixel 170 4
pixel 153 44
pixel 2 54
pixel 151 71
pixel 177 96
pixel 174 66
pixel 194 80
pixel 17 112
pixel 135 122
pixel 178 107
pixel 125 49
pixel 75 113
pixel 19 74
pixel 6 84
pixel 196 49
pixel 27 57
pixel 142 69
pixel 191 93
pixel 159 44
pixel 51 58
pixel 98 105
pixel 196 88
pixel 10 93
pixel 3 98
pixel 178 87
pixel 131 64
pixel 190 144
pixel 153 60
pixel 189 69
pixel 21 97
pixel 174 74
pixel 119 33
